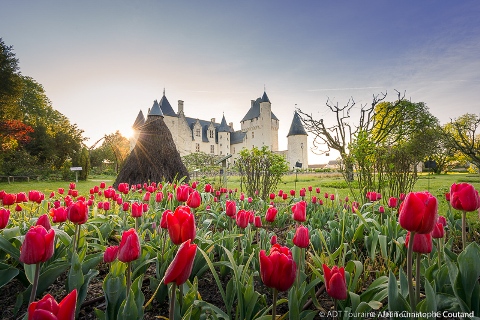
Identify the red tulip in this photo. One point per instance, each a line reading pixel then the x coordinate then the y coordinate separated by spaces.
pixel 418 213
pixel 182 193
pixel 392 202
pixel 61 190
pixel 302 192
pixel 278 270
pixel 38 245
pixel 272 196
pixel 181 267
pixel 44 221
pixel 21 197
pixel 402 196
pixel 317 190
pixel 18 208
pixel 208 188
pixel 280 192
pixel 314 200
pixel 299 211
pixel 159 197
pixel 332 197
pixel 230 208
pixel 9 199
pixel 381 209
pixel 257 221
pixel 464 197
pixel 271 214
pixel 284 196
pixel 100 205
pixel 125 206
pixel 47 308
pixel 102 185
pixel 4 216
pixel 301 238
pixel 77 212
pixel 292 193
pixel 137 209
pixel 422 243
pixel 111 253
pixel 146 196
pixel 310 188
pixel 442 220
pixel 447 196
pixel 59 214
pixel 74 193
pixel 163 221
pixel 106 206
pixel 325 195
pixel 181 225
pixel 438 231
pixel 194 200
pixel 129 249
pixel 72 185
pixel 335 282
pixel 273 240
pixel 242 218
pixel 145 207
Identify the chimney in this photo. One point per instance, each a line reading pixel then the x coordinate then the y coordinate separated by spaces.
pixel 180 106
pixel 252 102
pixel 230 124
pixel 213 120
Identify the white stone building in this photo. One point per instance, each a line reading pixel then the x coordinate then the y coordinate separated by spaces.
pixel 258 128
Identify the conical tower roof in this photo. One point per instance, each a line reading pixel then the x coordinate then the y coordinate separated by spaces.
pixel 139 121
pixel 223 126
pixel 166 107
pixel 155 157
pixel 296 128
pixel 155 110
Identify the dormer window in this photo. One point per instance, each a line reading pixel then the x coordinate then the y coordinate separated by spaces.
pixel 197 132
pixel 211 134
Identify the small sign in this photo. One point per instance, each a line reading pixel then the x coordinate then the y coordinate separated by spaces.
pixel 75 168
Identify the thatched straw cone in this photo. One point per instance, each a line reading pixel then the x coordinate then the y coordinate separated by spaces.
pixel 155 157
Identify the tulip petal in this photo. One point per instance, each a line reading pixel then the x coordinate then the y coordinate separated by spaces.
pixel 67 306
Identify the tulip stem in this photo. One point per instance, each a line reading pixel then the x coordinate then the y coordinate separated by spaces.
pixel 464 229
pixel 274 304
pixel 439 252
pixel 35 283
pixel 129 277
pixel 417 278
pixel 411 294
pixel 171 311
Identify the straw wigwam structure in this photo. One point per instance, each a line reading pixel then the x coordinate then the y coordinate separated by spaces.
pixel 154 157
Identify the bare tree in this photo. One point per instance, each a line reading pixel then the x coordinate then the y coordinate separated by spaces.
pixel 464 132
pixel 342 132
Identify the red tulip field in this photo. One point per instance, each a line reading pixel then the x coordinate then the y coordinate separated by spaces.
pixel 190 251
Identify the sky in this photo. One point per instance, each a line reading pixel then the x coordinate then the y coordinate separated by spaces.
pixel 101 62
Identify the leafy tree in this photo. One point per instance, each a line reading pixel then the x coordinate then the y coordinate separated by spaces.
pixel 115 148
pixel 205 163
pixel 464 133
pixel 260 170
pixel 10 83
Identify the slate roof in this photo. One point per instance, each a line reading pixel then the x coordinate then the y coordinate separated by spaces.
pixel 205 124
pixel 155 110
pixel 237 137
pixel 224 127
pixel 254 111
pixel 296 128
pixel 139 121
pixel 166 107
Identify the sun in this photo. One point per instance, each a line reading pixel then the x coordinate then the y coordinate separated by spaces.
pixel 127 132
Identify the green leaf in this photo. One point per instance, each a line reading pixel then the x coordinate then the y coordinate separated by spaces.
pixel 396 302
pixel 6 275
pixel 30 271
pixel 128 308
pixel 75 275
pixel 9 248
pixel 469 270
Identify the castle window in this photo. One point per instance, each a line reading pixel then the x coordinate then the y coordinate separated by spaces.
pixel 212 148
pixel 211 133
pixel 197 132
pixel 253 134
pixel 197 147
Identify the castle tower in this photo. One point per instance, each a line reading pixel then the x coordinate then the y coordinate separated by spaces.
pixel 224 131
pixel 137 126
pixel 297 143
pixel 261 125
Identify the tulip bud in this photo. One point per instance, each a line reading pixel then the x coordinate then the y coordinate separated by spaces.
pixel 181 267
pixel 111 253
pixel 48 308
pixel 129 249
pixel 4 216
pixel 299 211
pixel 271 214
pixel 422 243
pixel 278 270
pixel 335 282
pixel 38 246
pixel 301 238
